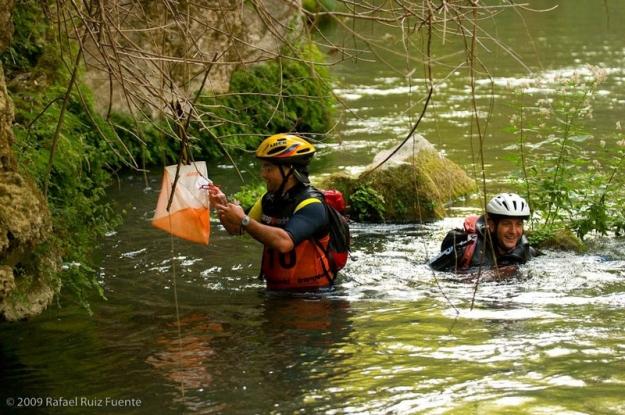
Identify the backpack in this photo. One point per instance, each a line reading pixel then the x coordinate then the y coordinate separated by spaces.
pixel 340 238
pixel 335 199
pixel 458 247
pixel 337 250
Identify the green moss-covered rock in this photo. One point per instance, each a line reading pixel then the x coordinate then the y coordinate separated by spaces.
pixel 28 267
pixel 28 279
pixel 37 233
pixel 561 240
pixel 32 285
pixel 413 186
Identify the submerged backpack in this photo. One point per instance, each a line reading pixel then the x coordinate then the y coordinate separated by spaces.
pixel 458 247
pixel 340 238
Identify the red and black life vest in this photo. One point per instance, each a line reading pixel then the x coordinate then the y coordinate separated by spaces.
pixel 306 267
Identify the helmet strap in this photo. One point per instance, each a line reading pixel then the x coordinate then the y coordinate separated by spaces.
pixel 285 179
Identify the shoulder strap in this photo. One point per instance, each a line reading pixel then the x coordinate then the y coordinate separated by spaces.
pixel 307 196
pixel 470 227
pixel 305 203
pixel 470 223
pixel 329 273
pixel 457 248
pixel 469 250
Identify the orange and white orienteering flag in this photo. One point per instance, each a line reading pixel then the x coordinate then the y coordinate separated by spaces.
pixel 188 215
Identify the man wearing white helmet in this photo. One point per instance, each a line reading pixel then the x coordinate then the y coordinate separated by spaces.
pixel 494 239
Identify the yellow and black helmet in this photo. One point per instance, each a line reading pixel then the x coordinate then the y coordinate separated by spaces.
pixel 285 149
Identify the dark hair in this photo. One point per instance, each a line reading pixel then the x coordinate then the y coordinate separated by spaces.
pixel 497 217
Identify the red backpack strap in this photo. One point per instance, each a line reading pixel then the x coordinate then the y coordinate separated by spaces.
pixel 470 227
pixel 470 223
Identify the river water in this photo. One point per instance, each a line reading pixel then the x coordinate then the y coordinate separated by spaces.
pixel 394 337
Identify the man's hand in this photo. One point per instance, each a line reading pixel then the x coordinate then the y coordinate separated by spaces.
pixel 216 196
pixel 230 216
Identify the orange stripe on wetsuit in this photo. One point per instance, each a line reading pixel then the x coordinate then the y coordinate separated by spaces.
pixel 305 267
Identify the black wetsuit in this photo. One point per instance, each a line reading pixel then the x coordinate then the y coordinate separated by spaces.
pixel 310 221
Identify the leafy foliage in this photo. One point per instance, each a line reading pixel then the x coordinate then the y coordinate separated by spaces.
pixel 572 178
pixel 291 94
pixel 29 38
pixel 83 159
pixel 249 194
pixel 366 204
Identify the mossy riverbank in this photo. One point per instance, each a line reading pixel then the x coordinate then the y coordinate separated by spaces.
pixel 70 152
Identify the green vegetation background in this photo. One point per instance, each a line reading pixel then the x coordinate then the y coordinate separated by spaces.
pixel 285 95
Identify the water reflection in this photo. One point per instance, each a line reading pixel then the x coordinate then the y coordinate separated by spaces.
pixel 272 353
pixel 303 337
pixel 317 315
pixel 183 359
pixel 386 341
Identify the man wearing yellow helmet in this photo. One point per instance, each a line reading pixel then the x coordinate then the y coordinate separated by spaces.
pixel 290 219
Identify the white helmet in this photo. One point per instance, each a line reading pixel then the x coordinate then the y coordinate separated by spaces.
pixel 508 204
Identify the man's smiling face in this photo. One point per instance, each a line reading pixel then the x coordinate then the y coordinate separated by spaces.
pixel 508 232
